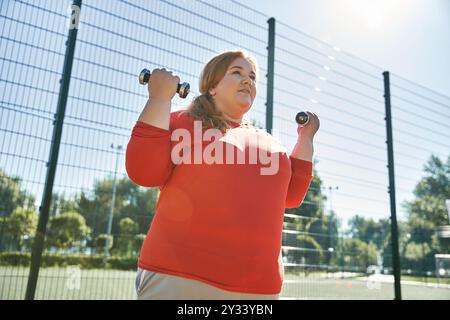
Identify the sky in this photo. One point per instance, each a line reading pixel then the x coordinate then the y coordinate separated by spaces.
pixel 408 38
pixel 337 76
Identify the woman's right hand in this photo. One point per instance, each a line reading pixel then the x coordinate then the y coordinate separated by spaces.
pixel 162 85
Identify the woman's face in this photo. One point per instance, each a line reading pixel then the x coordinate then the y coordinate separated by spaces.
pixel 236 91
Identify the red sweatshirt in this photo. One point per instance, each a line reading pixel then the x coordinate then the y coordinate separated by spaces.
pixel 218 223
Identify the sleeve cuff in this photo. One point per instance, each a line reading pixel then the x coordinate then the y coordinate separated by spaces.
pixel 145 130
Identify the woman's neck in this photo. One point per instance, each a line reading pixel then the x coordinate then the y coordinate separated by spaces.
pixel 239 120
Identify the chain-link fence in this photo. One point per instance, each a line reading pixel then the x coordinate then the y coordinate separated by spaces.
pixel 336 245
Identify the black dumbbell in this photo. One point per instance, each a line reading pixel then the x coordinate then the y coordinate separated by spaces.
pixel 182 89
pixel 302 118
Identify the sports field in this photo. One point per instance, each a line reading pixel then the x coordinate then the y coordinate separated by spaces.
pixel 379 287
pixel 66 283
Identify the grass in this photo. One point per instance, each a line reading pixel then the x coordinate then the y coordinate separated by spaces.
pixel 58 284
pixel 62 284
pixel 319 285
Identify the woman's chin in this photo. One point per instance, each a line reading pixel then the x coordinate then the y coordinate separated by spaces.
pixel 244 105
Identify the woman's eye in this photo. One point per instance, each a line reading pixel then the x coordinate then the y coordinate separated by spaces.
pixel 251 77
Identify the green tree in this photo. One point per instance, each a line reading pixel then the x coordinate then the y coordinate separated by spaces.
pixel 416 252
pixel 12 196
pixel 356 255
pixel 132 201
pixel 67 230
pixel 60 203
pixel 137 244
pixel 20 228
pixel 310 226
pixel 128 230
pixel 425 214
pixel 101 241
pixel 369 230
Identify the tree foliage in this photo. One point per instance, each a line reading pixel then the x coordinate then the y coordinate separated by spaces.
pixel 66 230
pixel 132 202
pixel 12 196
pixel 426 213
pixel 19 228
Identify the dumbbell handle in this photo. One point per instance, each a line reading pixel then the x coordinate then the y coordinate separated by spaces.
pixel 182 88
pixel 302 118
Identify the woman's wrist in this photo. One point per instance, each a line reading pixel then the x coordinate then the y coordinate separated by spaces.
pixel 303 149
pixel 305 138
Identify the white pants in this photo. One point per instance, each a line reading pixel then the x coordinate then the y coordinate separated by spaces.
pixel 158 286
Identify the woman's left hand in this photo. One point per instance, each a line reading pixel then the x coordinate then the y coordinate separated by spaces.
pixel 309 130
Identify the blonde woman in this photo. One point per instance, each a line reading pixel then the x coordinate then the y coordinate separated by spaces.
pixel 217 228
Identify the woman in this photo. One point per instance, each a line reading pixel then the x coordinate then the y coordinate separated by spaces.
pixel 217 229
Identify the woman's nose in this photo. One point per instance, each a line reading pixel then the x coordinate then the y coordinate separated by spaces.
pixel 247 80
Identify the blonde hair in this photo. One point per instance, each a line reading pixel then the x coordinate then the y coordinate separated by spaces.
pixel 203 107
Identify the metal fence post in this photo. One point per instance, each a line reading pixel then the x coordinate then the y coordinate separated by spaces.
pixel 113 201
pixel 270 75
pixel 38 244
pixel 391 189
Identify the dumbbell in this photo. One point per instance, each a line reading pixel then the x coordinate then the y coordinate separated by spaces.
pixel 182 89
pixel 302 118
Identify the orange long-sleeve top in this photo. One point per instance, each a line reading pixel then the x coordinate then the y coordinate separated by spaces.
pixel 219 223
